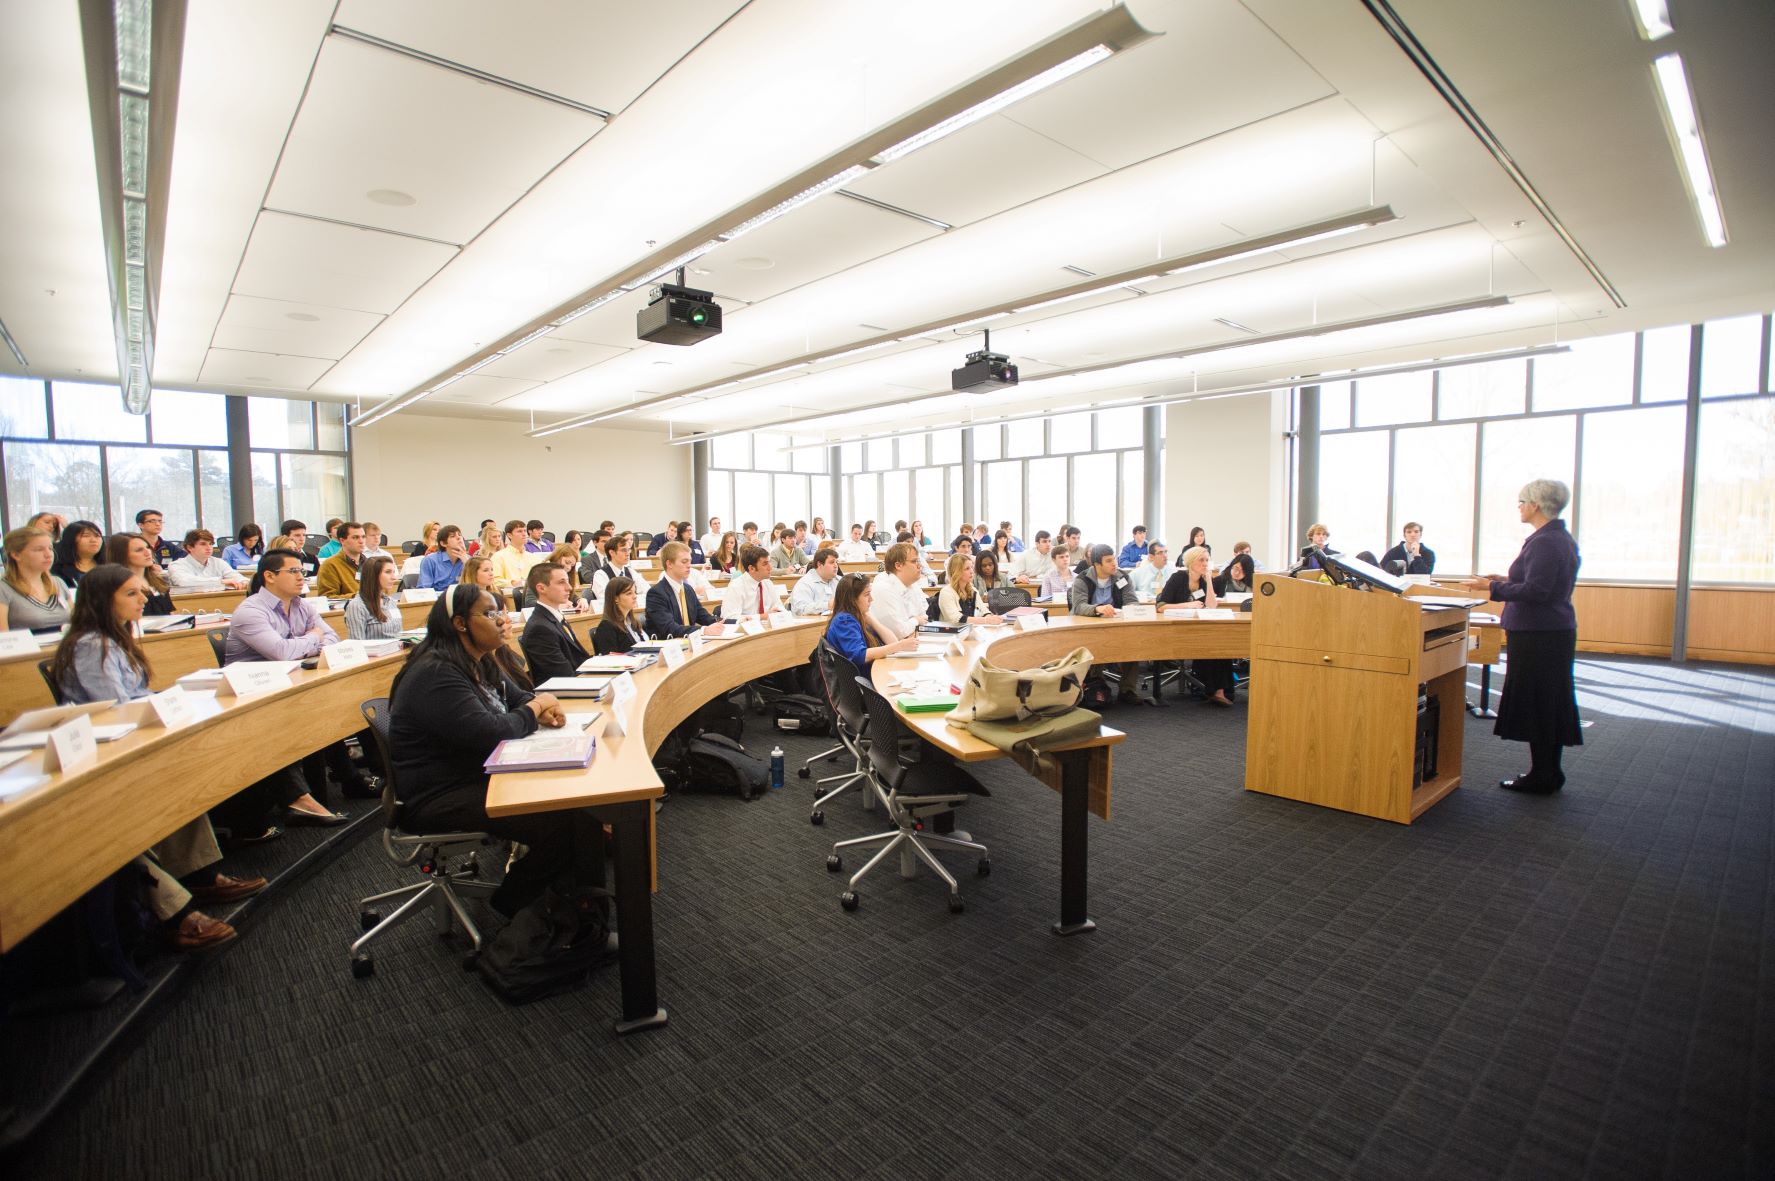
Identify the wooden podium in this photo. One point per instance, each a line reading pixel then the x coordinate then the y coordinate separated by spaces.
pixel 1334 696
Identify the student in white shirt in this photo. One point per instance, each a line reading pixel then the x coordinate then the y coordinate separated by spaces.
pixel 899 607
pixel 750 592
pixel 1032 564
pixel 1148 578
pixel 813 593
pixel 711 540
pixel 373 541
pixel 618 553
pixel 200 564
pixel 856 549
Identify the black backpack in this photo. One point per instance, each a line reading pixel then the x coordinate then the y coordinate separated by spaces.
pixel 550 946
pixel 713 762
pixel 801 713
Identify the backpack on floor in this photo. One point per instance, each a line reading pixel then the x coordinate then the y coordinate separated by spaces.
pixel 720 716
pixel 716 763
pixel 802 714
pixel 549 946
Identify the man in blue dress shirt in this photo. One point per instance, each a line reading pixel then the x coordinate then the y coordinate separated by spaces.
pixel 1135 551
pixel 443 569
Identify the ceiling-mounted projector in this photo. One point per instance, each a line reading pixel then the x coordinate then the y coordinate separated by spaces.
pixel 678 315
pixel 984 371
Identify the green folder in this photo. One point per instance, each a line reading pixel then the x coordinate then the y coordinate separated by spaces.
pixel 940 704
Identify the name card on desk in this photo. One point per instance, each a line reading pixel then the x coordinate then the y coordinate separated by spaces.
pixel 71 746
pixel 1029 623
pixel 253 676
pixel 344 654
pixel 1140 611
pixel 169 708
pixel 780 619
pixel 1216 613
pixel 19 642
pixel 622 692
pixel 697 642
pixel 752 626
pixel 419 594
pixel 673 655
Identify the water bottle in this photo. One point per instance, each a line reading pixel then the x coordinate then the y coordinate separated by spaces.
pixel 776 768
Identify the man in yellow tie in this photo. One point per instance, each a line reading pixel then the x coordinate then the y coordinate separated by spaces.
pixel 672 609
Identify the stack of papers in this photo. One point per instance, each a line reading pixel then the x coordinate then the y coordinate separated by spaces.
pixel 615 663
pixel 936 703
pixel 576 686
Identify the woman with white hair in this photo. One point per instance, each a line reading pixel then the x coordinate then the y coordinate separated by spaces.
pixel 1539 705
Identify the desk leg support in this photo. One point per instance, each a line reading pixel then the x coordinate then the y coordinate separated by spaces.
pixel 1483 709
pixel 1075 837
pixel 634 916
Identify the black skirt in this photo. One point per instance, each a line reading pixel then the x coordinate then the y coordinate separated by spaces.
pixel 1539 702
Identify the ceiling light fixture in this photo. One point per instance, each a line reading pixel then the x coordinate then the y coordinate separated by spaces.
pixel 1684 125
pixel 1653 19
pixel 1086 42
pixel 12 346
pixel 1347 223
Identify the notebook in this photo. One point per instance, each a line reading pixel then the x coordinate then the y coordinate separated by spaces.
pixel 934 704
pixel 542 752
pixel 575 686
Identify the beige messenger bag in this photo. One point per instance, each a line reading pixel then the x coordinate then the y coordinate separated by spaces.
pixel 994 694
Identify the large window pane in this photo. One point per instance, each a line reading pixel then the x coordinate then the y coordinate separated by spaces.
pixel 1631 497
pixel 952 514
pixel 1334 406
pixel 281 422
pixel 216 509
pixel 1025 438
pixel 1004 493
pixel 1731 356
pixel 946 447
pixel 196 420
pixel 1734 493
pixel 95 412
pixel 1134 497
pixel 1479 391
pixel 1664 368
pixel 1402 397
pixel 23 408
pixel 54 478
pixel 314 488
pixel 767 452
pixel 811 458
pixel 879 454
pixel 819 499
pixel 913 451
pixel 1047 498
pixel 1512 454
pixel 751 502
pixel 153 477
pixel 791 499
pixel 1094 491
pixel 896 499
pixel 265 501
pixel 987 444
pixel 1121 427
pixel 1352 492
pixel 1597 372
pixel 927 503
pixel 330 417
pixel 720 503
pixel 1069 432
pixel 850 457
pixel 1433 485
pixel 730 451
pixel 864 505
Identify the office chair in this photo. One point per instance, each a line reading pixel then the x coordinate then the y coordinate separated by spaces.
pixel 412 547
pixel 410 581
pixel 430 851
pixel 218 637
pixel 912 792
pixel 1007 598
pixel 55 691
pixel 851 722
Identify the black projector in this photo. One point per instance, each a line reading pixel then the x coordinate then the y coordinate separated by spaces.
pixel 678 315
pixel 984 371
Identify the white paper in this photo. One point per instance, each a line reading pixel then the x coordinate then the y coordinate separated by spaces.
pixel 780 619
pixel 1140 611
pixel 72 746
pixel 344 654
pixel 673 655
pixel 1029 623
pixel 18 642
pixel 696 642
pixel 581 721
pixel 419 594
pixel 752 626
pixel 253 676
pixel 1215 613
pixel 622 690
pixel 170 708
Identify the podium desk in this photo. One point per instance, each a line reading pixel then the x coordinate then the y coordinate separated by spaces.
pixel 1335 683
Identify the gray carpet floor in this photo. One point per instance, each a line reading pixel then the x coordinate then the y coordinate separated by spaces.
pixel 1574 986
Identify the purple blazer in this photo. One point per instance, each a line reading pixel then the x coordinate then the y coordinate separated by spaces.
pixel 1537 595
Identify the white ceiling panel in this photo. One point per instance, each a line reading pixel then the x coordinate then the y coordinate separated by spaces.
pixel 302 329
pixel 603 55
pixel 811 243
pixel 480 390
pixel 994 165
pixel 549 358
pixel 340 266
pixel 232 367
pixel 462 150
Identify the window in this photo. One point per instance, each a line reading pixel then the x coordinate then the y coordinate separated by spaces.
pixel 1122 427
pixel 266 509
pixel 215 506
pixel 1334 406
pixel 946 446
pixel 330 421
pixel 767 452
pixel 720 501
pixel 1479 391
pixel 1664 364
pixel 1069 433
pixel 53 477
pixel 791 499
pixel 1047 496
pixel 927 502
pixel 1597 372
pixel 896 499
pixel 1632 481
pixel 1734 534
pixel 281 423
pixel 1433 485
pixel 751 501
pixel 850 457
pixel 986 443
pixel 880 454
pixel 22 409
pixel 1094 497
pixel 1004 493
pixel 153 477
pixel 1134 494
pixel 1025 438
pixel 315 487
pixel 199 420
pixel 94 413
pixel 864 500
pixel 1731 356
pixel 913 451
pixel 730 451
pixel 1401 397
pixel 809 458
pixel 1353 491
pixel 1513 452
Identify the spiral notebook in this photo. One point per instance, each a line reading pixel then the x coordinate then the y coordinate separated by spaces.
pixel 542 752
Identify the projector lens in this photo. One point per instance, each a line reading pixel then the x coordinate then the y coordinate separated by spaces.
pixel 699 317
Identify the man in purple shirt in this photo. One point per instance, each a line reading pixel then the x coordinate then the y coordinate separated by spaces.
pixel 535 544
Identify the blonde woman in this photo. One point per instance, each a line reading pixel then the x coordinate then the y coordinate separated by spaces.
pixel 30 596
pixel 959 599
pixel 428 538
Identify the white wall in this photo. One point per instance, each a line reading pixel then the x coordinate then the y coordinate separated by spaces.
pixel 411 468
pixel 1224 471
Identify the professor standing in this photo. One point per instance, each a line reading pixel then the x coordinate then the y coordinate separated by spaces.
pixel 1539 705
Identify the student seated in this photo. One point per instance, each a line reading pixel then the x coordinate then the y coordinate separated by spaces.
pixel 1033 563
pixel 853 631
pixel 246 548
pixel 1057 582
pixel 131 550
pixel 200 564
pixel 751 592
pixel 1192 588
pixel 338 577
pixel 725 557
pixel 550 647
pixel 511 563
pixel 374 613
pixel 687 536
pixel 786 556
pixel 989 572
pixel 450 705
pixel 1135 551
pixel 958 599
pixel 673 608
pixel 620 629
pixel 897 606
pixel 295 535
pixel 1149 577
pixel 442 568
pixel 150 521
pixel 856 548
pixel 1239 576
pixel 534 541
pixel 333 544
pixel 76 552
pixel 1411 553
pixel 617 550
pixel 813 592
pixel 30 596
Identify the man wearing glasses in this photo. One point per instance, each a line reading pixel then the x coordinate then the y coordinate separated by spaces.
pixel 150 522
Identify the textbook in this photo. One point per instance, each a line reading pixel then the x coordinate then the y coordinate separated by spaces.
pixel 575 686
pixel 934 704
pixel 613 663
pixel 154 624
pixel 542 752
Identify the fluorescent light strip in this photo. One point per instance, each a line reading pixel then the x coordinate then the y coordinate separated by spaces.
pixel 1653 19
pixel 660 272
pixel 1684 125
pixel 996 103
pixel 799 199
pixel 12 346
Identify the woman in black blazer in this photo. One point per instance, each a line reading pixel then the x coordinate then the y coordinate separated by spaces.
pixel 620 629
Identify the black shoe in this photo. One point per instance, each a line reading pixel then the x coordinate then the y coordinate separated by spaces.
pixel 1529 785
pixel 367 788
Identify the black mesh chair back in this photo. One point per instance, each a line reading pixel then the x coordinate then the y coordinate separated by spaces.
pixel 410 581
pixel 55 691
pixel 839 676
pixel 411 547
pixel 375 713
pixel 1006 598
pixel 219 644
pixel 884 730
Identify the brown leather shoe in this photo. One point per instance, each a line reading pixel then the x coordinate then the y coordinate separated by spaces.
pixel 199 932
pixel 226 889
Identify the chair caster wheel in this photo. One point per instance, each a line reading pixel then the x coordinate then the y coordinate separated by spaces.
pixel 834 863
pixel 368 918
pixel 362 966
pixel 468 961
pixel 805 773
pixel 849 899
pixel 817 819
pixel 956 905
pixel 983 868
